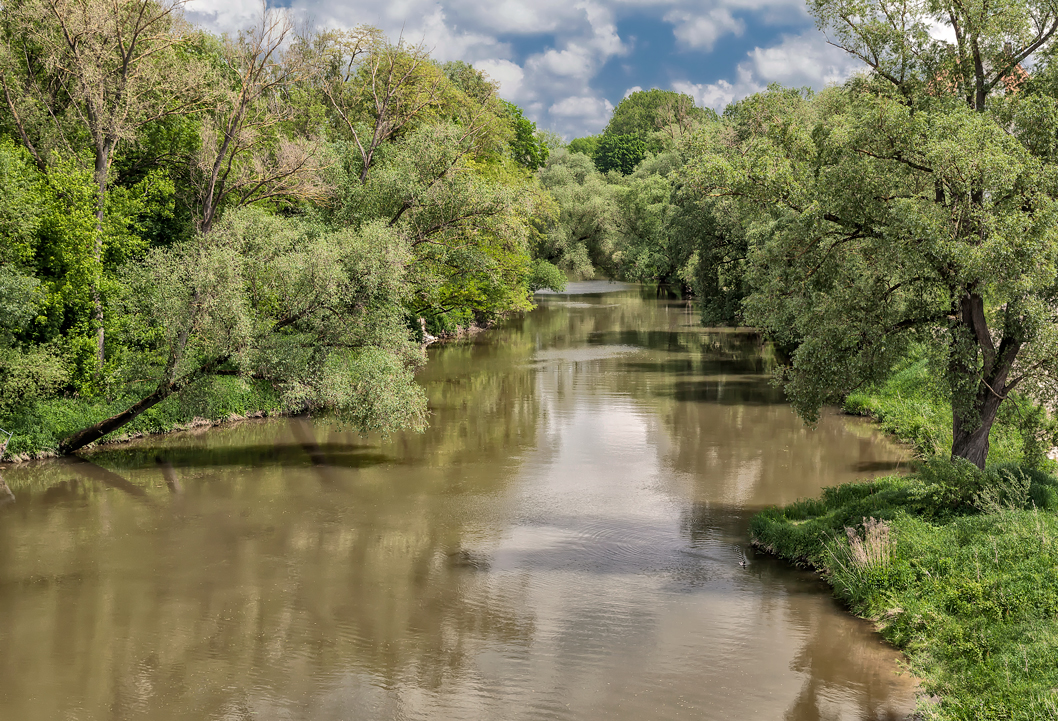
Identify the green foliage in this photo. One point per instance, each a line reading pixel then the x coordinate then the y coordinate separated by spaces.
pixel 852 254
pixel 586 145
pixel 525 147
pixel 546 275
pixel 971 597
pixel 916 204
pixel 620 153
pixel 657 117
pixel 318 314
pixel 580 237
pixel 646 252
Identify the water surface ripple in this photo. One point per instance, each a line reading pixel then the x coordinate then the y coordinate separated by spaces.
pixel 562 543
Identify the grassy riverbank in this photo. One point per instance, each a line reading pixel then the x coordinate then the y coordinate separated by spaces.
pixel 913 408
pixel 39 427
pixel 958 567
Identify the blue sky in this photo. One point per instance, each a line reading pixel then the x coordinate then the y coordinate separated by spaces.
pixel 568 62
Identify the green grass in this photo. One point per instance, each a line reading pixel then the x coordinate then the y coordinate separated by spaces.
pixel 912 407
pixel 39 427
pixel 971 597
pixel 963 572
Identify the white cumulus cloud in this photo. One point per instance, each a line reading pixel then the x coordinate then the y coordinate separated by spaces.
pixel 702 31
pixel 804 60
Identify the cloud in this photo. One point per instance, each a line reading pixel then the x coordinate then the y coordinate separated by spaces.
pixel 223 17
pixel 702 31
pixel 509 75
pixel 591 111
pixel 804 60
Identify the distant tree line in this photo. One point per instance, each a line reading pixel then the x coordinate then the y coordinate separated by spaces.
pixel 912 206
pixel 284 208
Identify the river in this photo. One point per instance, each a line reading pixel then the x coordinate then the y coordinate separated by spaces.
pixel 562 543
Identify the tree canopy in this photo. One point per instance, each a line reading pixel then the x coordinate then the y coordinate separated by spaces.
pixel 915 204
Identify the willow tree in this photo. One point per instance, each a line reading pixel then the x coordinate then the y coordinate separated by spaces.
pixel 317 315
pixel 915 204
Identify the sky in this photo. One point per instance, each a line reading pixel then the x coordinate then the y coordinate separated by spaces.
pixel 567 63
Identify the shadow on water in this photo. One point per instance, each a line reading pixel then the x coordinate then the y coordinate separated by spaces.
pixel 105 476
pixel 735 391
pixel 562 543
pixel 881 466
pixel 291 455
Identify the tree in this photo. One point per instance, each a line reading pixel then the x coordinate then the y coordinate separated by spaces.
pixel 465 218
pixel 642 237
pixel 912 205
pixel 318 314
pixel 245 154
pixel 525 147
pixel 657 117
pixel 585 145
pixel 619 152
pixel 106 68
pixel 376 90
pixel 580 236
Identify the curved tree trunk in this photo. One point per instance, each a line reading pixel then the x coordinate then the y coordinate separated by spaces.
pixel 93 433
pixel 970 427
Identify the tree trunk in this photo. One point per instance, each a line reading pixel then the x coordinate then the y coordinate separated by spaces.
pixel 102 167
pixel 93 433
pixel 970 427
pixel 970 433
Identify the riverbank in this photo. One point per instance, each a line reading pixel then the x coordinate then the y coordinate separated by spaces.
pixel 957 567
pixel 39 429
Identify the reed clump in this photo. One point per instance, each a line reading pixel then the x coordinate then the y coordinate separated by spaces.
pixel 874 549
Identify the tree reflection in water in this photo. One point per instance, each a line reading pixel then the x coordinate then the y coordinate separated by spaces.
pixel 560 544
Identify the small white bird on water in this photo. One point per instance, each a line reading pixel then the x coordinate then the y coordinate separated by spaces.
pixel 742 560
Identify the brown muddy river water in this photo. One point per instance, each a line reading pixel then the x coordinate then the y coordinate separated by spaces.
pixel 562 543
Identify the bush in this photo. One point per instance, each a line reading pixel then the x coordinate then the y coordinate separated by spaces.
pixel 546 275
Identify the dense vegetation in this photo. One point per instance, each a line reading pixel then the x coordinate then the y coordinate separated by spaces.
pixel 202 226
pixel 189 217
